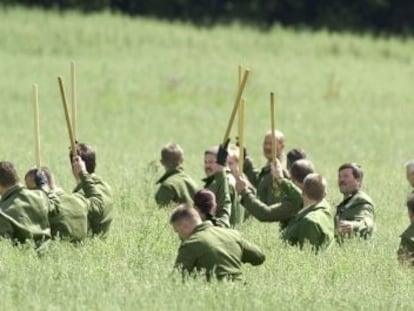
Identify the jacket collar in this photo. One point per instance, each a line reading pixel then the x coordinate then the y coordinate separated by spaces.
pixel 169 173
pixel 11 191
pixel 203 226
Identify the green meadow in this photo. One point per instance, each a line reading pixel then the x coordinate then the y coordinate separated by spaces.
pixel 143 83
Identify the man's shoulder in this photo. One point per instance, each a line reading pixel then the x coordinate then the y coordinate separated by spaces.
pixel 362 197
pixel 409 233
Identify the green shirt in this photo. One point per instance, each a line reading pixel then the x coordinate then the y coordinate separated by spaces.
pixel 267 190
pixel 219 185
pixel 175 187
pixel 283 212
pixel 314 225
pixel 358 209
pixel 24 215
pixel 406 249
pixel 100 211
pixel 218 252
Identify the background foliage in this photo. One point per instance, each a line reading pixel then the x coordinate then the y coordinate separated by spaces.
pixel 143 83
pixel 383 16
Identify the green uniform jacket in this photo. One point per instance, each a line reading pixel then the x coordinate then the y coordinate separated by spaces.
pixel 237 211
pixel 314 224
pixel 219 185
pixel 262 180
pixel 175 187
pixel 24 215
pixel 100 211
pixel 406 249
pixel 359 209
pixel 69 216
pixel 291 203
pixel 218 252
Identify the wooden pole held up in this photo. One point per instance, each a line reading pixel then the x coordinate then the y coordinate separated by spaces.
pixel 67 116
pixel 236 104
pixel 74 99
pixel 36 125
pixel 272 124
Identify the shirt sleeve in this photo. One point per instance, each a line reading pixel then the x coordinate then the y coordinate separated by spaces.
pixel 277 212
pixel 185 261
pixel 94 196
pixel 251 253
pixel 165 195
pixel 223 199
pixel 364 220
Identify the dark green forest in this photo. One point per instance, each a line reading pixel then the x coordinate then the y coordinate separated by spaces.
pixel 378 16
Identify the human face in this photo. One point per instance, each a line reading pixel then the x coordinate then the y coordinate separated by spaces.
pixel 210 165
pixel 183 229
pixel 30 183
pixel 410 176
pixel 233 164
pixel 347 183
pixel 267 147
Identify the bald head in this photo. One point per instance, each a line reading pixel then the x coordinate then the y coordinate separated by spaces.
pixel 267 145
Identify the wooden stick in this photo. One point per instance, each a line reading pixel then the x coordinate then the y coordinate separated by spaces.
pixel 67 116
pixel 236 104
pixel 74 99
pixel 272 124
pixel 36 124
pixel 241 136
pixel 240 74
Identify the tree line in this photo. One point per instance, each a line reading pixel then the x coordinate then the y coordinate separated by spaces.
pixel 378 16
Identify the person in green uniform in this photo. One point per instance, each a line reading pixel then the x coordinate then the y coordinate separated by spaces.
pixel 291 194
pixel 355 215
pixel 405 250
pixel 69 216
pixel 409 167
pixel 217 181
pixel 205 204
pixel 23 212
pixel 262 179
pixel 99 216
pixel 175 186
pixel 314 223
pixel 216 252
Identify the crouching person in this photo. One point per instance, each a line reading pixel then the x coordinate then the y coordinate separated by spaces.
pixel 68 216
pixel 406 249
pixel 23 213
pixel 215 251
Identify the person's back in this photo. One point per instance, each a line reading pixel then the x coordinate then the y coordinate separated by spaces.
pixel 70 219
pixel 100 216
pixel 176 187
pixel 215 251
pixel 23 213
pixel 314 224
pixel 99 219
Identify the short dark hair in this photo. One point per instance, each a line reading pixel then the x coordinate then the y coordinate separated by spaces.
pixel 87 154
pixel 205 201
pixel 293 155
pixel 172 155
pixel 183 211
pixel 8 174
pixel 32 173
pixel 314 186
pixel 356 170
pixel 410 203
pixel 300 169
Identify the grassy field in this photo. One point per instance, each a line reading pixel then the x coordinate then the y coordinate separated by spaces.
pixel 143 83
